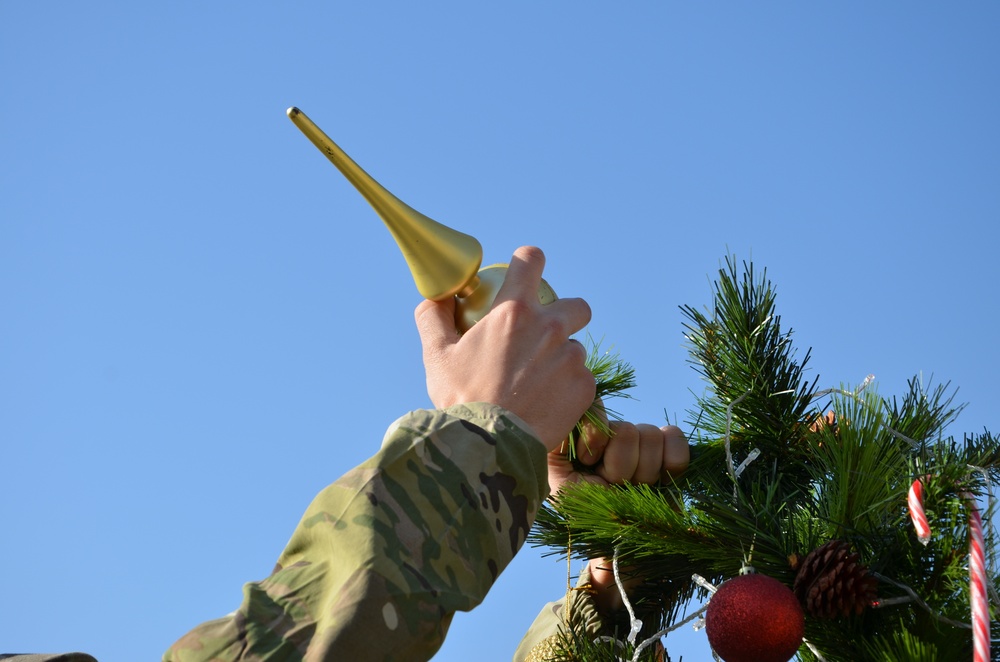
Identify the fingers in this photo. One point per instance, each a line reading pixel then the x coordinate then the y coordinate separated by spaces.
pixel 436 327
pixel 524 274
pixel 621 457
pixel 436 324
pixel 573 314
pixel 519 356
pixel 651 447
pixel 643 454
pixel 604 587
pixel 607 597
pixel 521 283
pixel 676 451
pixel 593 440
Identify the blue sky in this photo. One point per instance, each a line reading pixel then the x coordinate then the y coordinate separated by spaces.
pixel 203 324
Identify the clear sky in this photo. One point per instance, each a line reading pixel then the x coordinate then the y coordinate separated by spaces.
pixel 202 324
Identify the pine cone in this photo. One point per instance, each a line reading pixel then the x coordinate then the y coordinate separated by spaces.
pixel 831 582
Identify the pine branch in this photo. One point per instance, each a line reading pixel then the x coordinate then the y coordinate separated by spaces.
pixel 923 414
pixel 842 476
pixel 613 378
pixel 747 359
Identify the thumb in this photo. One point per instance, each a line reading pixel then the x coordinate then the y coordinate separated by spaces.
pixel 560 469
pixel 436 325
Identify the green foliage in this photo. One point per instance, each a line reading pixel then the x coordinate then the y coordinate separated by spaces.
pixel 812 481
pixel 613 377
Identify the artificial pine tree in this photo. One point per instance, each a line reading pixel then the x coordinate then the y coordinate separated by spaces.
pixel 806 487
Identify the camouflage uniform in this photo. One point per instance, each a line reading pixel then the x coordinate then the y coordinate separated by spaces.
pixel 540 642
pixel 384 556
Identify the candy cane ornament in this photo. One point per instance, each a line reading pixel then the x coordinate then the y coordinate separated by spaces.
pixel 916 504
pixel 977 586
pixel 977 566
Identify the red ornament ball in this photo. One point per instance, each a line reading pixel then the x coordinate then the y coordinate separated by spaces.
pixel 754 618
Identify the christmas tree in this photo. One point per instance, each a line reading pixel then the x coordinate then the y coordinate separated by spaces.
pixel 799 519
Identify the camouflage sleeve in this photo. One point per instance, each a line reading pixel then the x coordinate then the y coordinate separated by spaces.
pixel 384 556
pixel 539 643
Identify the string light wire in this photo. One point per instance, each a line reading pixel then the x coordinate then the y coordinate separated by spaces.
pixel 735 472
pixel 635 624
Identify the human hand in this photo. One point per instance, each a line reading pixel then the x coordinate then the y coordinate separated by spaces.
pixel 632 453
pixel 519 356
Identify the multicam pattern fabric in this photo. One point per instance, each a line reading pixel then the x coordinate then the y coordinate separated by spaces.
pixel 384 557
pixel 541 642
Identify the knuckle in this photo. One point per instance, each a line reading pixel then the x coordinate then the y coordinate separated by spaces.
pixel 553 328
pixel 577 352
pixel 625 432
pixel 510 314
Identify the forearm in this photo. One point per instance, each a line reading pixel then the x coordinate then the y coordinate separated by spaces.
pixel 384 556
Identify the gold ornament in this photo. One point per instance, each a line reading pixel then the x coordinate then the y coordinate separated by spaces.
pixel 444 262
pixel 471 308
pixel 546 650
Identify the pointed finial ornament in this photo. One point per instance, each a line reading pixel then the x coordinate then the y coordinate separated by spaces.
pixel 444 262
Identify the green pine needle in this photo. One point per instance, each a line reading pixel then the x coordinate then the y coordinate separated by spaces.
pixel 614 377
pixel 812 482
